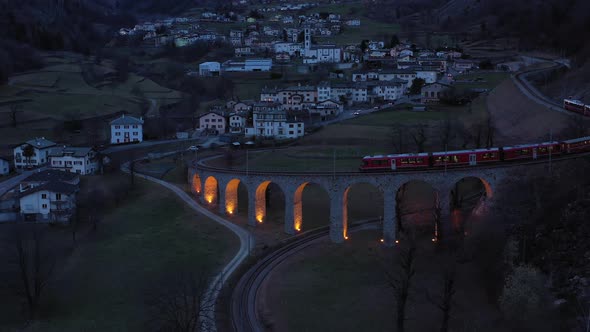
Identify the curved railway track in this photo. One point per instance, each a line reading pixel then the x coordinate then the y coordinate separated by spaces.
pixel 530 91
pixel 244 314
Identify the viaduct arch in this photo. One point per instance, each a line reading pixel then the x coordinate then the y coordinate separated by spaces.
pixel 219 188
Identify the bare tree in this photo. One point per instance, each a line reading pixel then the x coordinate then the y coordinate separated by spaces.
pixel 35 264
pixel 181 303
pixel 14 110
pixel 132 172
pixel 465 135
pixel 444 302
pixel 490 132
pixel 397 137
pixel 28 152
pixel 446 132
pixel 419 136
pixel 399 279
pixel 477 134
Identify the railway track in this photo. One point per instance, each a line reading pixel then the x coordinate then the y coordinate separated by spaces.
pixel 523 83
pixel 245 317
pixel 504 164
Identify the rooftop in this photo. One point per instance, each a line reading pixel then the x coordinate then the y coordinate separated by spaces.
pixel 126 120
pixel 73 151
pixel 51 175
pixel 54 187
pixel 41 143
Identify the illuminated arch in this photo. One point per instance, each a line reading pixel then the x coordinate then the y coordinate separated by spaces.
pixel 346 207
pixel 421 215
pixel 298 204
pixel 211 190
pixel 231 197
pixel 197 186
pixel 261 200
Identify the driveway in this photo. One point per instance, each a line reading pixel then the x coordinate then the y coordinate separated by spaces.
pixel 14 181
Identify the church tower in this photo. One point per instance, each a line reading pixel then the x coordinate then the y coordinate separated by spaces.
pixel 307 38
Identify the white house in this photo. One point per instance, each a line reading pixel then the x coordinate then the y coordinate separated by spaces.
pixel 41 148
pixel 126 129
pixel 211 68
pixel 289 48
pixel 340 92
pixel 212 121
pixel 4 166
pixel 74 160
pixel 269 121
pixel 53 201
pixel 389 90
pixel 428 74
pixel 237 123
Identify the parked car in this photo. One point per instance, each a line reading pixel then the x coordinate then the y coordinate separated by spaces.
pixel 356 113
pixel 193 148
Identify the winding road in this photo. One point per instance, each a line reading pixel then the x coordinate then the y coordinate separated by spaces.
pixel 246 244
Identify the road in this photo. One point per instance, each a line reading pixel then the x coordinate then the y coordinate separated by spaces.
pixel 529 90
pixel 246 244
pixel 244 298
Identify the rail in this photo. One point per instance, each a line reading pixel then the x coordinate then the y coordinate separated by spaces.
pixel 201 165
pixel 244 315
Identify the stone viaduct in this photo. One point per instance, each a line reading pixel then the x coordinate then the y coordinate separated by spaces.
pixel 219 187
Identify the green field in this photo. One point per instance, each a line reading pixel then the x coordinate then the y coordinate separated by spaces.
pixel 104 285
pixel 59 90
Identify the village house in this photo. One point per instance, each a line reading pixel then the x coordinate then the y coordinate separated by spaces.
pixel 269 121
pixel 320 53
pixel 428 74
pixel 212 121
pixel 293 49
pixel 243 51
pixel 4 166
pixel 249 65
pixel 355 22
pixel 431 93
pixel 126 129
pixel 236 37
pixel 50 202
pixel 463 65
pixel 388 90
pixel 74 160
pixel 326 110
pixel 347 93
pixel 405 75
pixel 48 196
pixel 211 68
pixel 241 107
pixel 237 123
pixel 40 153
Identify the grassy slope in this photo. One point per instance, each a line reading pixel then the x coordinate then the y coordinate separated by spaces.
pixel 106 281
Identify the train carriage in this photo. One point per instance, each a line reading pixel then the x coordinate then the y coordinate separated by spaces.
pixel 576 145
pixel 574 106
pixel 465 157
pixel 530 151
pixel 394 162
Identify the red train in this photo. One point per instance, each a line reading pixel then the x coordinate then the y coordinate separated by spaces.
pixel 576 106
pixel 474 157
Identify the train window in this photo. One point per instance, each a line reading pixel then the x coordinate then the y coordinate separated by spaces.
pixel 420 160
pixel 524 151
pixel 404 160
pixel 411 160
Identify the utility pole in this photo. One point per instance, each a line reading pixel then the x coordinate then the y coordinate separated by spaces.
pixel 550 149
pixel 446 158
pixel 334 166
